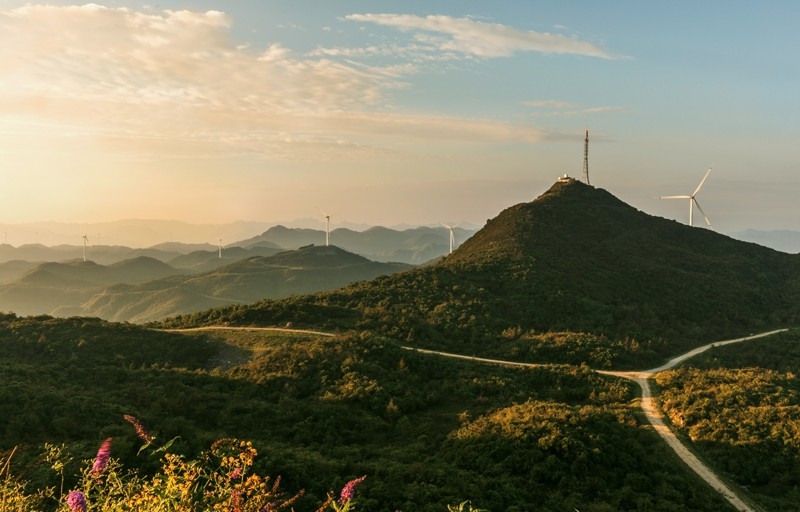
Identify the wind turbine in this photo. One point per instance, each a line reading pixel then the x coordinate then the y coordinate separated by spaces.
pixel 692 201
pixel 452 236
pixel 327 226
pixel 219 240
pixel 85 241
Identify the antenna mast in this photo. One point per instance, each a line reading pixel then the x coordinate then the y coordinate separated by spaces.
pixel 586 158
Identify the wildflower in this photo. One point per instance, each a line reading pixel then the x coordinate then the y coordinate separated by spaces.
pixel 349 490
pixel 141 431
pixel 76 501
pixel 236 500
pixel 101 461
pixel 235 474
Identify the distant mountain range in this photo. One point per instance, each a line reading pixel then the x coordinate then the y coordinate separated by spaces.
pixel 414 246
pixel 139 233
pixel 145 284
pixel 780 240
pixel 576 259
pixel 145 289
pixel 306 270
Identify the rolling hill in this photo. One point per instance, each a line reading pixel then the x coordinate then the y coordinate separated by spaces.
pixel 56 288
pixel 575 277
pixel 575 259
pixel 304 271
pixel 414 246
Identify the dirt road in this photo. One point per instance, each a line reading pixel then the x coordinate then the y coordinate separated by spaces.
pixel 651 411
pixel 641 377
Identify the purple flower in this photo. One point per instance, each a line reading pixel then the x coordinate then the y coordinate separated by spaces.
pixel 76 501
pixel 101 461
pixel 349 490
pixel 141 431
pixel 235 474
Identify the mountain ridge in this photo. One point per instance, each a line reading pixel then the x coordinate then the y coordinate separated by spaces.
pixel 574 259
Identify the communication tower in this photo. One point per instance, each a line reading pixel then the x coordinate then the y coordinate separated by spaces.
pixel 586 158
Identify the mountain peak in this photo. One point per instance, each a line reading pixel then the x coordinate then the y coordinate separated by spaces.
pixel 569 211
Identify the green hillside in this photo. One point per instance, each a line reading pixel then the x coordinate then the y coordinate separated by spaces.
pixel 306 270
pixel 414 246
pixel 739 406
pixel 577 260
pixel 427 431
pixel 58 288
pixel 575 278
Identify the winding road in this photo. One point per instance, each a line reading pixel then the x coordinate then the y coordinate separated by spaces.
pixel 651 411
pixel 648 405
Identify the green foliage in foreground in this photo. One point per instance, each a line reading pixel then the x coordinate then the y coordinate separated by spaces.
pixel 428 431
pixel 740 407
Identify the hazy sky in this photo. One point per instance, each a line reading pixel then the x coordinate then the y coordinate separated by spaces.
pixel 395 112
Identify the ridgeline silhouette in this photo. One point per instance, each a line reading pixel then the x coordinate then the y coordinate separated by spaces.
pixel 575 259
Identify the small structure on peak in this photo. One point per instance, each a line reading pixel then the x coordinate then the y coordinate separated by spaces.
pixel 565 179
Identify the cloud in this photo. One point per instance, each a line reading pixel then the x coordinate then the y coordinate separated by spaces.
pixel 556 108
pixel 169 74
pixel 482 39
pixel 172 84
pixel 550 104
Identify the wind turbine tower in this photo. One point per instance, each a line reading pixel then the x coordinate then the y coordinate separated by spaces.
pixel 452 236
pixel 85 241
pixel 327 227
pixel 586 158
pixel 693 202
pixel 219 242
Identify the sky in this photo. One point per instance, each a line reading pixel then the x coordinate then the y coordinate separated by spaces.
pixel 395 112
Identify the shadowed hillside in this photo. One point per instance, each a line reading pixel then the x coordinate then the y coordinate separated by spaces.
pixel 575 259
pixel 413 246
pixel 307 270
pixel 49 287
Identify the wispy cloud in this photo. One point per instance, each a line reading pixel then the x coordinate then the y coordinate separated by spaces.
pixel 549 104
pixel 176 79
pixel 557 108
pixel 482 39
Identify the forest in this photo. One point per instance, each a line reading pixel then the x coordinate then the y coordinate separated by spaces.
pixel 575 281
pixel 740 404
pixel 428 432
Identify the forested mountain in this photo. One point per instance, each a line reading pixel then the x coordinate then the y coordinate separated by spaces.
pixel 306 270
pixel 49 288
pixel 414 246
pixel 575 259
pixel 575 278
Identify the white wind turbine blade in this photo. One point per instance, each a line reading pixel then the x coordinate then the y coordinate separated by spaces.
pixel 704 213
pixel 674 197
pixel 702 182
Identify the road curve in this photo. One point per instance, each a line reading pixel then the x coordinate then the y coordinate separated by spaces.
pixel 648 405
pixel 230 328
pixel 651 412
